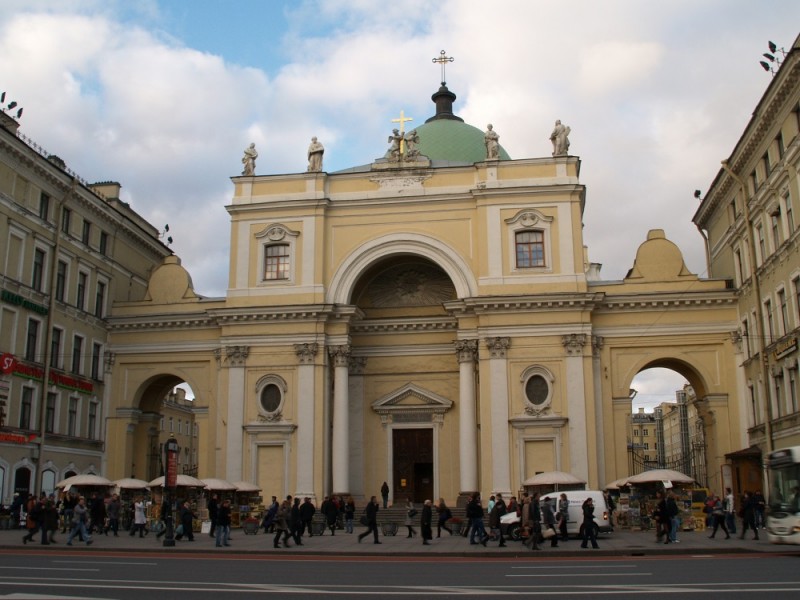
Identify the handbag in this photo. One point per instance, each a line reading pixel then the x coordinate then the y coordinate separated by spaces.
pixel 412 512
pixel 548 533
pixel 364 521
pixel 179 530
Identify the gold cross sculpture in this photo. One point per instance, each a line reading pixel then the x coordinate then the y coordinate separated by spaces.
pixel 402 120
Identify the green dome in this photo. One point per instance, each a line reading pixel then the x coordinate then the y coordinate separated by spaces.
pixel 453 141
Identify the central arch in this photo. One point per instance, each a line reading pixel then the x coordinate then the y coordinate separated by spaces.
pixel 446 257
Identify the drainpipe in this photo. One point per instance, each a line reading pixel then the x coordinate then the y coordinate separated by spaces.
pixel 760 336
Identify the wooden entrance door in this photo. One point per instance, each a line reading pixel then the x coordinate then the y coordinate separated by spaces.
pixel 412 451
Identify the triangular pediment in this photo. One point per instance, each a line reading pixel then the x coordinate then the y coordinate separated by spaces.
pixel 411 400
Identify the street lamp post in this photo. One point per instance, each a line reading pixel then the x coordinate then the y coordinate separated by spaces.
pixel 170 483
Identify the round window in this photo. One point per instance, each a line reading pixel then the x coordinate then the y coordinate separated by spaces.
pixel 271 398
pixel 537 390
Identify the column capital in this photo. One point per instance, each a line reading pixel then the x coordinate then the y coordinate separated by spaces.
pixel 356 365
pixel 466 350
pixel 597 344
pixel 236 355
pixel 340 355
pixel 498 346
pixel 306 353
pixel 573 343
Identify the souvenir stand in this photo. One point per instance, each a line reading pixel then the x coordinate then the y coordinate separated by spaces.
pixel 643 490
pixel 250 503
pixel 224 490
pixel 188 488
pixel 83 485
pixel 620 491
pixel 128 489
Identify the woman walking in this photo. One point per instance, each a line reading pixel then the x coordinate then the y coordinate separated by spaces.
pixel 411 512
pixel 588 524
pixel 349 514
pixel 282 524
pixel 139 517
pixel 549 520
pixel 563 516
pixel 718 519
pixel 445 514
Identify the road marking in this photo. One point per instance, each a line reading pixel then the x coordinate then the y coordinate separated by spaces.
pixel 578 566
pixel 48 569
pixel 577 574
pixel 94 562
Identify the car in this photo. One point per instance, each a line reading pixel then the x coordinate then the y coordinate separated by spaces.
pixel 510 523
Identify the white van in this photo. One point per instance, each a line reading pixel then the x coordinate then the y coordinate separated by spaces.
pixel 511 526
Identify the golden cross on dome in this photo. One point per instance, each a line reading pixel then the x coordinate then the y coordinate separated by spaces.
pixel 402 120
pixel 443 60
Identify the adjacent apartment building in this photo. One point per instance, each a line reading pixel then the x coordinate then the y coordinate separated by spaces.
pixel 68 250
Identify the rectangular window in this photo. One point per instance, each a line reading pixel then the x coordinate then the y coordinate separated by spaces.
pixel 781 146
pixel 171 425
pixel 97 353
pixel 530 249
pixel 777 238
pixel 66 218
pixel 770 324
pixel 44 206
pixel 793 389
pixel 276 262
pixel 103 243
pixel 784 308
pixel 80 295
pixel 789 214
pixel 737 261
pixel 77 354
pixel 762 244
pixel 91 432
pixel 72 418
pixel 55 349
pixel 99 299
pixel 26 408
pixel 767 164
pixel 796 286
pixel 32 340
pixel 86 234
pixel 61 280
pixel 50 415
pixel 37 278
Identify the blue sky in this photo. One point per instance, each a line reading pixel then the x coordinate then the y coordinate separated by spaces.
pixel 163 96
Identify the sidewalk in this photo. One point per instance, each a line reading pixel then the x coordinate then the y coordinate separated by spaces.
pixel 620 543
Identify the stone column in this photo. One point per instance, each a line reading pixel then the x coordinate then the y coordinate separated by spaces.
pixel 236 356
pixel 341 419
pixel 576 405
pixel 599 426
pixel 356 451
pixel 305 420
pixel 498 399
pixel 466 351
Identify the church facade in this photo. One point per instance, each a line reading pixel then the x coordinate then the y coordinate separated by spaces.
pixel 430 320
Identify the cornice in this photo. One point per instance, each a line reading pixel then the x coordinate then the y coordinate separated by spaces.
pixel 405 325
pixel 661 301
pixel 525 303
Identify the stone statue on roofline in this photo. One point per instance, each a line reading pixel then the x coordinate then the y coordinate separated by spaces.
pixel 560 139
pixel 315 152
pixel 249 160
pixel 492 142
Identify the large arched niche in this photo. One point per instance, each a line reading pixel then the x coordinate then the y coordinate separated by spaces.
pixel 359 263
pixel 403 285
pixel 152 391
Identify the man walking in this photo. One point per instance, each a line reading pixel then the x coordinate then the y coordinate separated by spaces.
pixel 425 526
pixel 372 520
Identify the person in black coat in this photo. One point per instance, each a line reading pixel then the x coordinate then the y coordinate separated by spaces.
pixel 296 524
pixel 213 510
pixel 588 524
pixel 186 518
pixel 372 520
pixel 425 523
pixel 307 511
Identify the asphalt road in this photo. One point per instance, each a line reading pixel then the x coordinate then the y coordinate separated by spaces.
pixel 65 574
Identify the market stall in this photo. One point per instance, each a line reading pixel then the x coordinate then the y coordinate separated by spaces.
pixel 187 488
pixel 224 490
pixel 553 481
pixel 128 489
pixel 643 490
pixel 250 504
